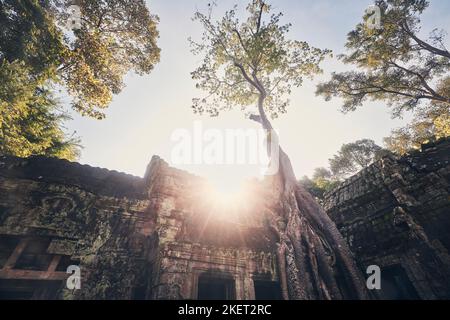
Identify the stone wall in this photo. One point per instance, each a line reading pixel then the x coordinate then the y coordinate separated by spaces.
pixel 396 214
pixel 197 237
pixel 91 217
pixel 163 235
pixel 133 238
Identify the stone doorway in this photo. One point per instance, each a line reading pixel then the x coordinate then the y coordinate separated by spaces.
pixel 267 290
pixel 215 287
pixel 395 285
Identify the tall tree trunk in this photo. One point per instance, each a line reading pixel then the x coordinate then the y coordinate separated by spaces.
pixel 314 260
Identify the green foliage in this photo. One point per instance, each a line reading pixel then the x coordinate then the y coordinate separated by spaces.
pixel 430 123
pixel 354 156
pixel 322 181
pixel 420 131
pixel 116 36
pixel 30 122
pixel 29 35
pixel 250 60
pixel 394 64
pixel 30 51
pixel 351 158
pixel 37 56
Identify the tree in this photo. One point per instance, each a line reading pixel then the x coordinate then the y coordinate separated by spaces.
pixel 322 181
pixel 116 36
pixel 37 57
pixel 395 64
pixel 428 125
pixel 30 52
pixel 430 122
pixel 30 122
pixel 352 157
pixel 253 62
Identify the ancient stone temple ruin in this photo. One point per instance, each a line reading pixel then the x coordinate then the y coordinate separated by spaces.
pixel 162 237
pixel 396 214
pixel 156 237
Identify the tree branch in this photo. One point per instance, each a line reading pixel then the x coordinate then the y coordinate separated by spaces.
pixel 256 118
pixel 424 44
pixel 246 76
pixel 241 41
pixel 258 23
pixel 423 81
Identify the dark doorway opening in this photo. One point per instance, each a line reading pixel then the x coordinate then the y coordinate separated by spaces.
pixel 395 285
pixel 267 290
pixel 139 293
pixel 212 287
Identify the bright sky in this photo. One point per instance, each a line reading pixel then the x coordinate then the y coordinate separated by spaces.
pixel 143 117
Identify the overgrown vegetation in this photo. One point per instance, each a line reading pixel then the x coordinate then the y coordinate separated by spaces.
pixel 38 57
pixel 350 158
pixel 396 65
pixel 253 62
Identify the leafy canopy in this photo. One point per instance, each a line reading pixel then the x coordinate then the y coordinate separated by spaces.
pixel 394 64
pixel 30 120
pixel 37 58
pixel 428 124
pixel 350 158
pixel 250 59
pixel 321 182
pixel 354 156
pixel 116 36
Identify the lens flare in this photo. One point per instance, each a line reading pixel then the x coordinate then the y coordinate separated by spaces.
pixel 227 196
pixel 225 193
